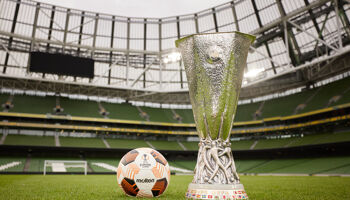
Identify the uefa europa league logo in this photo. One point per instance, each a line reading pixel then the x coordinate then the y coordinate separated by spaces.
pixel 214 65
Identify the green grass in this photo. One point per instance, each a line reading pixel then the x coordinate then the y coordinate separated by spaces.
pixel 105 187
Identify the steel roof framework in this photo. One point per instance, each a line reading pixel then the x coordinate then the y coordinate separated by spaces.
pixel 296 41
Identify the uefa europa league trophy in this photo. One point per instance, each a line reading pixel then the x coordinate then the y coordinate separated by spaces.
pixel 214 65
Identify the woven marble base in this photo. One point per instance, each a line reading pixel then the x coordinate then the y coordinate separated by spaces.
pixel 216 191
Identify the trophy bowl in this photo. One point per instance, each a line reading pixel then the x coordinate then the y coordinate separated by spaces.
pixel 214 65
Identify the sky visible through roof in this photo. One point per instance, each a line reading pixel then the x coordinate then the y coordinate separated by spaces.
pixel 139 8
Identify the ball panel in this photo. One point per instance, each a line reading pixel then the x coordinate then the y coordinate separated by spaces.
pixel 144 194
pixel 159 157
pixel 145 181
pixel 158 170
pixel 168 172
pixel 129 186
pixel 159 187
pixel 145 150
pixel 145 161
pixel 129 157
pixel 132 170
pixel 119 172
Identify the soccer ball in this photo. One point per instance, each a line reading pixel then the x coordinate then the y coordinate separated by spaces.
pixel 143 172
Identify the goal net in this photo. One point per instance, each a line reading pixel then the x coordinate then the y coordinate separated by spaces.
pixel 58 166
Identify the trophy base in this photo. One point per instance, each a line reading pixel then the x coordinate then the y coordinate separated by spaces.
pixel 216 191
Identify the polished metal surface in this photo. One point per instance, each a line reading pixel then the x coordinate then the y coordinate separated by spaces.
pixel 214 65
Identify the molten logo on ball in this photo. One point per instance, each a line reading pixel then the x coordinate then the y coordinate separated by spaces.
pixel 143 172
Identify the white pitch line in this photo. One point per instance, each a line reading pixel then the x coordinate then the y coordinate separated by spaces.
pixel 106 166
pixel 180 169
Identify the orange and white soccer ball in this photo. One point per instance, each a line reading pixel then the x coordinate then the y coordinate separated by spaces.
pixel 143 172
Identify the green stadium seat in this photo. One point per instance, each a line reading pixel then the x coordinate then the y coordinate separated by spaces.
pixel 166 145
pixel 246 112
pixel 126 143
pixel 159 115
pixel 186 114
pixel 29 140
pixel 12 164
pixel 33 104
pixel 82 142
pixel 80 108
pixel 122 111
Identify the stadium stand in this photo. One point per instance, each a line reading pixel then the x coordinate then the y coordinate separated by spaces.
pixel 321 138
pixel 284 106
pixel 33 104
pixel 244 144
pixel 272 143
pixel 246 112
pixel 82 142
pixel 29 140
pixel 11 164
pixel 166 145
pixel 122 111
pixel 190 145
pixel 344 98
pixel 317 165
pixel 322 98
pixel 80 108
pixel 186 114
pixel 183 164
pixel 36 164
pixel 321 165
pixel 159 115
pixel 173 145
pixel 126 143
pixel 312 99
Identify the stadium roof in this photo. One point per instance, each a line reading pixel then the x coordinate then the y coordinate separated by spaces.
pixel 139 8
pixel 298 42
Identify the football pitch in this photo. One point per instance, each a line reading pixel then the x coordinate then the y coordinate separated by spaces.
pixel 105 187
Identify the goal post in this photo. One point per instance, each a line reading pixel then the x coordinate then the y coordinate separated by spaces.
pixel 62 165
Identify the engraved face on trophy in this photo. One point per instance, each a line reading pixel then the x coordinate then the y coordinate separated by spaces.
pixel 214 65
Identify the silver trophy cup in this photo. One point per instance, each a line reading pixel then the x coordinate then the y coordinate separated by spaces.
pixel 214 65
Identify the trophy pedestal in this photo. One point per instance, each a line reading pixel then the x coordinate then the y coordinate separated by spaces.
pixel 215 173
pixel 216 191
